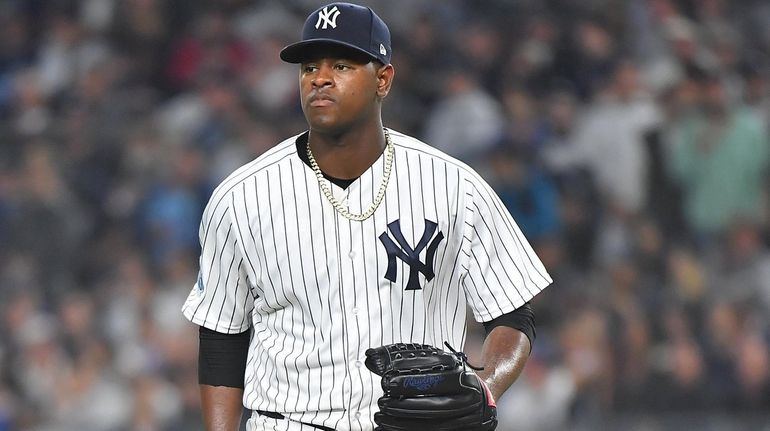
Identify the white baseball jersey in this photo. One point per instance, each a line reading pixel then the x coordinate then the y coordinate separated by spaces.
pixel 319 289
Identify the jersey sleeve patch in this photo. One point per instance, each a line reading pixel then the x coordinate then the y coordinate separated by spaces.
pixel 199 284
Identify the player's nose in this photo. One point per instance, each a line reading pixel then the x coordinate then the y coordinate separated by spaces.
pixel 323 76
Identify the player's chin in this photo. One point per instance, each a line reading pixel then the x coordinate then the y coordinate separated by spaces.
pixel 323 122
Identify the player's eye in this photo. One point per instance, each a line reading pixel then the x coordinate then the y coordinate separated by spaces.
pixel 309 68
pixel 341 66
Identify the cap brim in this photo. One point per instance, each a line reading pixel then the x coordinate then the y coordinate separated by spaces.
pixel 301 51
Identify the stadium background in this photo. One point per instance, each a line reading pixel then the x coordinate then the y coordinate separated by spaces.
pixel 628 138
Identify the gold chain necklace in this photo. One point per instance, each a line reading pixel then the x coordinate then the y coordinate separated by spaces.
pixel 322 182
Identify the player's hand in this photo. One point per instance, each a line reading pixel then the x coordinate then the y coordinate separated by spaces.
pixel 427 389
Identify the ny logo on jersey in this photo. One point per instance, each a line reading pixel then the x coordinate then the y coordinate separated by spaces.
pixel 409 255
pixel 329 18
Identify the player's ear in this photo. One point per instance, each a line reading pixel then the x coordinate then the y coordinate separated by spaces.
pixel 385 75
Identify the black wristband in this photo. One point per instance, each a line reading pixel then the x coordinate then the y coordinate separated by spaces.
pixel 222 358
pixel 522 318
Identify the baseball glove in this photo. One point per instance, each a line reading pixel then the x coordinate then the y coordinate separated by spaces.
pixel 428 389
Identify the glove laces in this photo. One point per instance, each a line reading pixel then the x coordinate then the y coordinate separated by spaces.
pixel 463 357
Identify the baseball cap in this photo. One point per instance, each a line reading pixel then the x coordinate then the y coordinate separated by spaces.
pixel 343 24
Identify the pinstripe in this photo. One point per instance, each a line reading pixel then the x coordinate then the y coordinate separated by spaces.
pixel 281 288
pixel 488 258
pixel 356 318
pixel 397 169
pixel 500 240
pixel 216 286
pixel 455 316
pixel 208 277
pixel 275 253
pixel 439 258
pixel 375 287
pixel 425 216
pixel 445 328
pixel 302 272
pixel 318 290
pixel 241 175
pixel 345 332
pixel 520 241
pixel 414 236
pixel 262 352
pixel 328 305
pixel 365 284
pixel 239 224
pixel 235 303
pixel 477 294
pixel 280 365
pixel 291 280
pixel 390 284
pixel 227 278
pixel 376 284
pixel 268 326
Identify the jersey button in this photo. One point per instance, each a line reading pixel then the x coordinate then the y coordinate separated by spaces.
pixel 352 254
pixel 357 415
pixel 359 364
pixel 355 311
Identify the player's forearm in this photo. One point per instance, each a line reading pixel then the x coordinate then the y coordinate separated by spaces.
pixel 504 353
pixel 222 407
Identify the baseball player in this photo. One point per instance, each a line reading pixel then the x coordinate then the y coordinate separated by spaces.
pixel 340 243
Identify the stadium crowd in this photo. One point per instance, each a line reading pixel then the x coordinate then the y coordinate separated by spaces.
pixel 629 139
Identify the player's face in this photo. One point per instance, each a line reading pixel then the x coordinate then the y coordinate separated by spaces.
pixel 339 90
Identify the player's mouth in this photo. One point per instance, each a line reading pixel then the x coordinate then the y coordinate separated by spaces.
pixel 321 100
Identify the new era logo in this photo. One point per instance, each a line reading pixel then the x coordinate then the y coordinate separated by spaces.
pixel 327 17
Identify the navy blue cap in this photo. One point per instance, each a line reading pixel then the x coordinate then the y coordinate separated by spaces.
pixel 343 24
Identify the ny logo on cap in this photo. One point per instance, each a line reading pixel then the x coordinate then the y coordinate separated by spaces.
pixel 329 18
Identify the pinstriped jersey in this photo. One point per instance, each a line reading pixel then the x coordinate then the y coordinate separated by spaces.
pixel 318 289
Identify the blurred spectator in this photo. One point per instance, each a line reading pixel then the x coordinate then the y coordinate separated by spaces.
pixel 611 139
pixel 525 130
pixel 532 62
pixel 686 278
pixel 585 343
pixel 590 57
pixel 66 52
pixel 140 31
pixel 741 270
pixel 272 82
pixel 727 327
pixel 559 155
pixel 170 215
pixel 479 45
pixel 753 369
pixel 49 223
pixel 719 156
pixel 541 399
pixel 631 338
pixel 529 195
pixel 90 396
pixel 466 120
pixel 30 112
pixel 684 386
pixel 210 45
pixel 757 91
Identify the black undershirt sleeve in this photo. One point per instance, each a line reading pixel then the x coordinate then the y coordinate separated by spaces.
pixel 522 318
pixel 222 358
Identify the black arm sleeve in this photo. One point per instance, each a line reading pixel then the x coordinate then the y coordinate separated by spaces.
pixel 522 318
pixel 222 358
